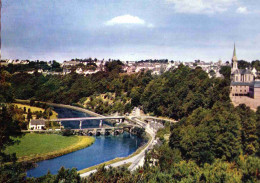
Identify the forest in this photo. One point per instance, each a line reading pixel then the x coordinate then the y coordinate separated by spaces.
pixel 212 142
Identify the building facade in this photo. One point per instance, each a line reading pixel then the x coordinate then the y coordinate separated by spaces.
pixel 243 81
pixel 37 124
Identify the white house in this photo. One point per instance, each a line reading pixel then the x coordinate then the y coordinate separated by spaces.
pixel 37 124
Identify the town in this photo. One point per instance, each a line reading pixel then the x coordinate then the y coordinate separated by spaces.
pixel 90 66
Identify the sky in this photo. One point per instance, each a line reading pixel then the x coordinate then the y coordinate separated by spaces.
pixel 130 30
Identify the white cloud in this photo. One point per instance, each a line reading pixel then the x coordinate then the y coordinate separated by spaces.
pixel 150 25
pixel 125 19
pixel 128 19
pixel 201 6
pixel 242 10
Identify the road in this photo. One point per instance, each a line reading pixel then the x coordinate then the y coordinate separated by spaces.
pixel 136 160
pixel 159 118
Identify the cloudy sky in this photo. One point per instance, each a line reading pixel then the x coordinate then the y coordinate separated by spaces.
pixel 130 29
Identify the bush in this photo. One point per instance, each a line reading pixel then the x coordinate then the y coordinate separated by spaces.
pixel 67 132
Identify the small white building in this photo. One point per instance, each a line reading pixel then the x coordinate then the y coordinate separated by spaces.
pixel 79 71
pixel 37 124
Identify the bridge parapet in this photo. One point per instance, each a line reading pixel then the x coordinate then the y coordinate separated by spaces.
pixel 103 131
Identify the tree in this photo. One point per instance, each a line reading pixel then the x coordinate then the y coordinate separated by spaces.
pixel 220 171
pixel 225 71
pixel 250 168
pixel 8 129
pixel 56 66
pixel 135 96
pixel 29 115
pixel 6 91
pixel 208 134
pixel 256 64
pixel 67 176
pixel 249 129
pixel 114 65
pixel 242 64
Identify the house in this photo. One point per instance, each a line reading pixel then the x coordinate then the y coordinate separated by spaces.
pixel 37 124
pixel 79 71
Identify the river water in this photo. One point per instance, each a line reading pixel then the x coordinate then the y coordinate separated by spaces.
pixel 104 149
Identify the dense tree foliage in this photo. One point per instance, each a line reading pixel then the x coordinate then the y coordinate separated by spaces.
pixel 6 91
pixel 242 64
pixel 175 94
pixel 10 129
pixel 12 68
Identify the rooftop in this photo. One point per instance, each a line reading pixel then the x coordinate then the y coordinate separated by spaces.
pixel 37 122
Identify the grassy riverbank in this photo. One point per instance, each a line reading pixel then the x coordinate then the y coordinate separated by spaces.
pixel 37 147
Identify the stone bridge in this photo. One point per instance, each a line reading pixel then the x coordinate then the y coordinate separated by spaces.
pixel 120 118
pixel 100 130
pixel 104 130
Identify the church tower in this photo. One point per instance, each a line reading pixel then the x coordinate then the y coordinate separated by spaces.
pixel 234 59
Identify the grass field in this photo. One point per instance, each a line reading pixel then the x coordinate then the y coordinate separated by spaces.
pixel 34 109
pixel 37 147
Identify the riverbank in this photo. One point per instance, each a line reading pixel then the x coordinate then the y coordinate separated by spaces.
pixel 75 108
pixel 63 105
pixel 136 156
pixel 38 147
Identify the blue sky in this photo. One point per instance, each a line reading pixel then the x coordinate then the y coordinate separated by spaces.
pixel 130 29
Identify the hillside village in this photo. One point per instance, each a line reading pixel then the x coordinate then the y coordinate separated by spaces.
pixel 91 66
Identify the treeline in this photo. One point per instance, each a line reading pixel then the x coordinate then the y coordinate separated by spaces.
pixel 33 65
pixel 174 94
pixel 242 64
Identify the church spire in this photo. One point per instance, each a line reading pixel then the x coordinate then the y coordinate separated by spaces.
pixel 234 58
pixel 234 52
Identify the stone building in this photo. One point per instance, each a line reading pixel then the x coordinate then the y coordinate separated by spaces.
pixel 243 81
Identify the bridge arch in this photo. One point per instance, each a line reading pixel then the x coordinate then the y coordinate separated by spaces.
pixel 116 132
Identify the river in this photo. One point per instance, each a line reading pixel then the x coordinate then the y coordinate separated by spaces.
pixel 104 149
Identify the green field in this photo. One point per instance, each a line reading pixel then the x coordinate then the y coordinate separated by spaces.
pixel 38 147
pixel 35 109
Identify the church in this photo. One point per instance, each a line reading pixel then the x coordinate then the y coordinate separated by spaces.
pixel 243 81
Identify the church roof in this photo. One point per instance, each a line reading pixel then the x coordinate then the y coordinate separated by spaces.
pixel 242 71
pixel 240 84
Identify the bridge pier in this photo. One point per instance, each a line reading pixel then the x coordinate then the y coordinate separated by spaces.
pixel 80 124
pixel 100 123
